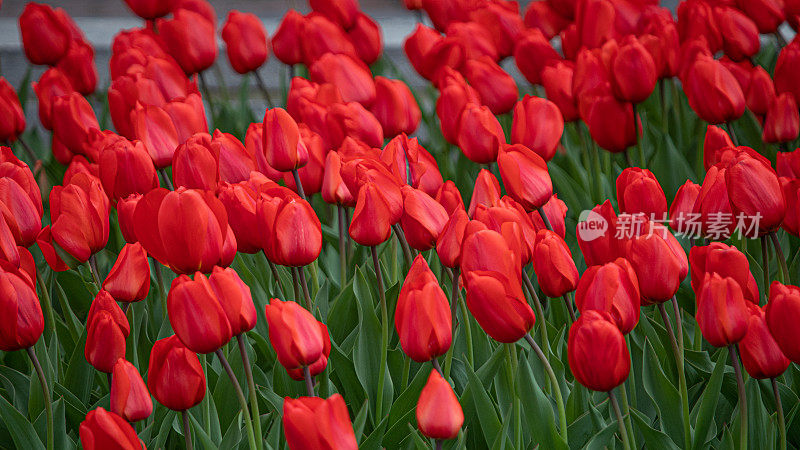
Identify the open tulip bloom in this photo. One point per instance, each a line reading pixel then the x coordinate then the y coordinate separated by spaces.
pixel 221 233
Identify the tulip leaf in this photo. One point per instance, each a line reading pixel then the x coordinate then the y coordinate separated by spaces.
pixel 419 443
pixel 481 408
pixel 707 405
pixel 653 439
pixel 200 434
pixel 404 408
pixel 538 409
pixel 22 431
pixel 602 438
pixel 360 420
pixel 663 393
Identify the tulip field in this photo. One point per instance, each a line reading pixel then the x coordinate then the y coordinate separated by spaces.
pixel 574 226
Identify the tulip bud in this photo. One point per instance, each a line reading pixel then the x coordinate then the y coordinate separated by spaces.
pixel 553 264
pixel 294 334
pixel 538 125
pixel 557 82
pixel 286 40
pixel 366 38
pixel 532 53
pixel 638 191
pixel 713 92
pixel 760 93
pixel 716 140
pixel 610 121
pixel 246 41
pixel 283 148
pixel 761 356
pixel 449 196
pixel 439 415
pixel 129 278
pixel 453 98
pixel 235 298
pixel 755 193
pixel 175 376
pixel 126 168
pixel 682 207
pixel 129 396
pixel 613 288
pixel 422 317
pixel 332 427
pixel 73 122
pixel 496 87
pixel 197 315
pixel 293 233
pixel 721 311
pixel 154 127
pixel 782 123
pixel 190 39
pixel 782 313
pixel 13 118
pixel 107 328
pixel 79 214
pixel 51 85
pixel 480 134
pixel 791 192
pixel 786 69
pixel 525 176
pixel 726 261
pixel 372 221
pixel 78 66
pixel 395 107
pixel 21 323
pixel 597 353
pixel 45 35
pixel 103 429
pixel 739 33
pixel 634 71
pixel 423 218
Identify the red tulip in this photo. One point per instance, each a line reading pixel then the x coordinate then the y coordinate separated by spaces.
pixel 103 429
pixel 235 298
pixel 496 87
pixel 107 328
pixel 791 192
pixel 556 212
pixel 782 123
pixel 154 127
pixel 190 39
pixel 372 220
pixel 365 35
pixel 553 264
pixel 696 21
pixel 78 66
pixel 20 199
pixel 395 107
pixel 738 31
pixel 292 231
pixel 21 321
pixel 721 311
pixel 613 288
pixel 294 334
pixel 453 98
pixel 423 218
pixel 149 9
pixel 448 245
pixel 334 190
pixel 503 23
pixel 430 53
pixel 633 71
pixel 786 69
pixel 638 191
pixel 79 214
pixel 412 164
pixel 351 76
pixel 195 165
pixel 754 192
pixel 125 209
pixel 761 355
pixel 448 196
pixel 509 219
pixel 283 149
pixel 331 428
pixel 354 121
pixel 240 203
pixel 45 242
pixel 713 92
pixel 713 205
pixel 538 125
pixel 422 317
pixel 782 313
pixel 236 161
pixel 14 119
pixel 557 82
pixel 474 38
pixel 45 35
pixel 726 261
pixel 480 134
pixel 175 376
pixel 246 41
pixel 344 12
pixel 185 229
pixel 533 53
pixel 51 85
pixel 545 18
pixel 760 92
pixel 486 191
pixel 439 415
pixel 682 207
pixel 658 259
pixel 129 396
pixel 286 40
pixel 126 168
pixel 73 122
pixel 322 36
pixel 597 235
pixel 767 14
pixel 197 315
pixel 525 176
pixel 129 278
pixel 610 121
pixel 597 353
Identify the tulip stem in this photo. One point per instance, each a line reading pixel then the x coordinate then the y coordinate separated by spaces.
pixel 251 386
pixel 627 408
pixel 93 270
pixel 205 91
pixel 406 372
pixel 732 133
pixel 779 411
pixel 48 406
pixel 465 315
pixel 296 284
pixel 765 266
pixel 403 243
pixel 342 248
pixel 439 444
pixel 304 285
pixel 309 381
pixel 166 178
pixel 436 366
pixel 384 333
pixel 742 397
pixel 263 88
pixel 240 395
pixel 274 269
pixel 187 431
pixel 448 362
pixel 781 259
pixel 545 219
pixel 299 184
pixel 623 434
pixel 677 350
pixel 27 149
pixel 162 291
pixel 570 308
pixel 539 310
pixel 48 305
pixel 628 159
pixel 562 415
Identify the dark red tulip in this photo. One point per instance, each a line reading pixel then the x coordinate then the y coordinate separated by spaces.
pixel 557 82
pixel 613 288
pixel 439 415
pixel 20 199
pixel 787 68
pixel 713 92
pixel 633 71
pixel 767 14
pixel 292 231
pixel 14 119
pixel 235 298
pixel 129 396
pixel 496 87
pixel 760 92
pixel 533 53
pixel 245 41
pixel 45 35
pixel 753 189
pixel 125 209
pixel 638 191
pixel 286 41
pixel 175 376
pixel 782 313
pixel 538 125
pixel 395 107
pixel 545 18
pixel 423 218
pixel 658 259
pixel 480 134
pixel 697 21
pixel 782 123
pixel 190 39
pixel 448 246
pixel 294 334
pixel 372 219
pixel 351 76
pixel 73 122
pixel 791 193
pixel 422 317
pixel 475 39
pixel 525 176
pixel 597 235
pixel 52 84
pixel 366 37
pixel 355 121
pixel 610 121
pixel 449 196
pixel 597 353
pixel 725 260
pixel 738 31
pixel 129 278
pixel 721 311
pixel 21 323
pixel 761 355
pixel 682 207
pixel 150 9
pixel 332 427
pixel 79 215
pixel 107 328
pixel 126 168
pixel 103 429
pixel 553 264
pixel 197 315
pixel 78 66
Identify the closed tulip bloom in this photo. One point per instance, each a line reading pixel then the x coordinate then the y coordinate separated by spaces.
pixel 286 40
pixel 556 211
pixel 52 84
pixel 496 87
pixel 423 218
pixel 322 36
pixel 431 54
pixel 760 93
pixel 185 229
pixel 638 191
pixel 448 245
pixel 721 311
pixel 294 334
pixel 613 288
pixel 154 127
pixel 351 76
pixel 187 115
pixel 20 198
pixel 538 125
pixel 129 278
pixel 525 176
pixel 319 365
pixel 597 235
pixel 544 17
pixel 761 356
pixel 449 196
pixel 595 21
pixel 343 13
pixel 503 23
pixel 236 162
pixel 21 320
pixel 713 205
pixel 696 20
pixel 486 191
pixel 73 122
pixel 767 14
pixel 45 36
pixel 782 313
pixel 682 207
pixel 240 202
pixel 557 82
pixel 439 415
pixel 494 287
pixel 453 98
pixel 126 168
pixel 332 427
pixel 78 66
pixel 788 164
pixel 532 53
pixel 716 139
pixel 107 328
pixel 190 39
pixel 610 121
pixel 235 298
pixel 129 396
pixel 782 123
pixel 372 221
pixel 753 189
pixel 245 41
pixel 739 33
pixel 365 35
pixel 786 69
pixel 175 376
pixel 475 39
pixel 658 259
pixel 197 315
pixel 79 215
pixel 352 120
pixel 125 209
pixel 293 233
pixel 150 9
pixel 713 92
pixel 283 148
pixel 334 190
pixel 553 264
pixel 725 260
pixel 103 429
pixel 791 192
pixel 422 317
pixel 195 165
pixel 480 134
pixel 13 118
pixel 597 353
pixel 395 107
pixel 413 164
pixel 634 71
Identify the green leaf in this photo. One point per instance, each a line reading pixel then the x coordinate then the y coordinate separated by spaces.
pixel 481 408
pixel 22 432
pixel 708 403
pixel 653 439
pixel 664 395
pixel 538 409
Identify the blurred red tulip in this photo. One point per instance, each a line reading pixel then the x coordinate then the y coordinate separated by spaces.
pixel 286 41
pixel 366 38
pixel 638 191
pixel 480 134
pixel 190 39
pixel 45 36
pixel 782 123
pixel 245 41
pixel 782 313
pixel 538 124
pixel 332 427
pixel 73 122
pixel 761 356
pixel 525 176
pixel 557 82
pixel 760 92
pixel 78 66
pixel 150 9
pixel 395 107
pixel 532 53
pixel 767 14
pixel 545 18
pixel 51 85
pixel 713 92
pixel 14 119
pixel 103 429
pixel 738 31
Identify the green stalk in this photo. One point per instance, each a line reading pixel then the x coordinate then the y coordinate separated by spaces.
pixel 93 270
pixel 562 415
pixel 48 404
pixel 207 399
pixel 781 258
pixel 622 433
pixel 406 372
pixel 242 401
pixel 384 334
pixel 299 185
pixel 48 304
pixel 765 266
pixel 304 285
pixel 517 406
pixel 342 249
pixel 448 362
pixel 627 408
pixel 251 386
pixel 404 243
pixel 309 381
pixel 677 351
pixel 742 397
pixel 162 290
pixel 278 283
pixel 187 431
pixel 779 410
pixel 528 287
